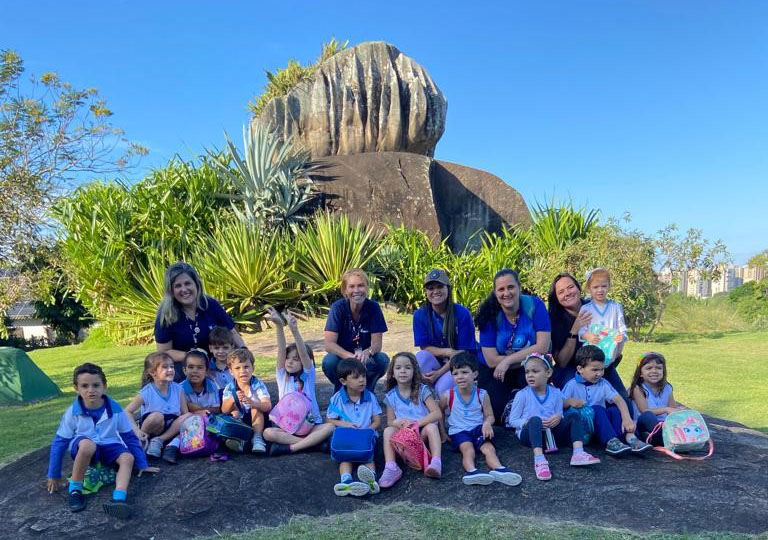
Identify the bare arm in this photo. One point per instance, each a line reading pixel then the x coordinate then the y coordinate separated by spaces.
pixel 274 317
pixel 441 352
pixel 340 423
pixel 227 405
pixel 301 347
pixel 626 419
pixel 238 338
pixel 434 412
pixel 488 418
pixel 183 406
pixel 330 341
pixel 375 421
pixel 167 348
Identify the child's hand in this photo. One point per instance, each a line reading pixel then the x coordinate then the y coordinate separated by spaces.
pixel 628 426
pixel 245 399
pixel 576 403
pixel 235 414
pixel 591 338
pixel 552 421
pixel 143 436
pixel 429 377
pixel 618 339
pixel 54 484
pixel 487 430
pixel 401 423
pixel 274 316
pixel 290 320
pixel 152 470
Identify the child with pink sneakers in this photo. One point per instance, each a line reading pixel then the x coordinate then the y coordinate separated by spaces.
pixel 409 401
pixel 539 407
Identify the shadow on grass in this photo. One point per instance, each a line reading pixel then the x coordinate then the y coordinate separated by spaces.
pixel 689 337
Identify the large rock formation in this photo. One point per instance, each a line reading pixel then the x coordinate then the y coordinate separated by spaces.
pixel 369 98
pixel 443 199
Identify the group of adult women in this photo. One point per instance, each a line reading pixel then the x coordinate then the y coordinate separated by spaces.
pixel 511 326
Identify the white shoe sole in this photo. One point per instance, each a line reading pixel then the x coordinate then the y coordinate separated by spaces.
pixel 477 480
pixel 585 463
pixel 356 489
pixel 507 478
pixel 366 475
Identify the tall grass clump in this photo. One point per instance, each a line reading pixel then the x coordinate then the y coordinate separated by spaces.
pixel 693 315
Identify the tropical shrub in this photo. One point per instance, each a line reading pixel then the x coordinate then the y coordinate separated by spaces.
pixel 751 301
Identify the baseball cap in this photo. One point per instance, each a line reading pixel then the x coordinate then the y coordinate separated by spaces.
pixel 437 275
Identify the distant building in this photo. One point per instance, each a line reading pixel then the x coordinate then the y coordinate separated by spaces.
pixel 22 323
pixel 691 283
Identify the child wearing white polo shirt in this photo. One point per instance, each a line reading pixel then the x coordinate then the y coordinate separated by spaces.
pixel 354 406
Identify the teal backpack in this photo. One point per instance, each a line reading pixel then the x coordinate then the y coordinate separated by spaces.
pixel 684 431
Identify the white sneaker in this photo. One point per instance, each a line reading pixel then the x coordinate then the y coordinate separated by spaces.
pixel 356 489
pixel 366 475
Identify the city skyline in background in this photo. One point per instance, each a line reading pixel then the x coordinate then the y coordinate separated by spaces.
pixel 650 108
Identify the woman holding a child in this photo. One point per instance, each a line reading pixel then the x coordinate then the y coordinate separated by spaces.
pixel 186 315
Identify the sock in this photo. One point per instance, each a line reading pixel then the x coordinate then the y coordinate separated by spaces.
pixel 577 451
pixel 539 459
pixel 75 486
pixel 119 495
pixel 346 478
pixel 436 460
pixel 473 471
pixel 175 442
pixel 630 437
pixel 501 469
pixel 390 465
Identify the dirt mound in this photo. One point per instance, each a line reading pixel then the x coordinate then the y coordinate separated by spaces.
pixel 728 492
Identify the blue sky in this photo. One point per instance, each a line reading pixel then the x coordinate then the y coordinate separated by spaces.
pixel 651 107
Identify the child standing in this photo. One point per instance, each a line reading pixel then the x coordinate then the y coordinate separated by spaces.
pixel 295 372
pixel 470 424
pixel 652 395
pixel 409 401
pixel 539 406
pixel 354 406
pixel 163 407
pixel 95 429
pixel 246 398
pixel 221 342
pixel 588 388
pixel 201 392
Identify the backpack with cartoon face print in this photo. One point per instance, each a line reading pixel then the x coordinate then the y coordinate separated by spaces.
pixel 684 431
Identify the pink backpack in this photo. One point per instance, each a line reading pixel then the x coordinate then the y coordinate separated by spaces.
pixel 293 414
pixel 409 445
pixel 195 440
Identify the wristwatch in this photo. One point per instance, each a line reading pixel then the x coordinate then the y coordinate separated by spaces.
pixel 573 336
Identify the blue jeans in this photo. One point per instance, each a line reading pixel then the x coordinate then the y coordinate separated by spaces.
pixel 607 423
pixel 564 374
pixel 375 368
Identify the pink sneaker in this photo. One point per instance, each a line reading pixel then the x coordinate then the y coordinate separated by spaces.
pixel 390 476
pixel 542 470
pixel 435 468
pixel 583 458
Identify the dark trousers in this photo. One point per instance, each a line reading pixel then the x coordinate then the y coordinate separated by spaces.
pixel 565 433
pixel 500 392
pixel 607 423
pixel 375 368
pixel 645 424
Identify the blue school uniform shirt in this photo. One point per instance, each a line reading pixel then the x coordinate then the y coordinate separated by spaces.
pixel 464 416
pixel 528 403
pixel 186 334
pixel 655 400
pixel 154 401
pixel 112 427
pixel 429 333
pixel 406 408
pixel 222 377
pixel 593 394
pixel 360 412
pixel 208 397
pixel 256 389
pixel 507 337
pixel 288 383
pixel 351 334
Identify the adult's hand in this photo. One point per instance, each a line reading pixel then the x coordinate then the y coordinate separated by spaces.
pixel 583 319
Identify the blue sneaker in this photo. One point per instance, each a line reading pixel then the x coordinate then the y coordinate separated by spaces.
pixel 477 478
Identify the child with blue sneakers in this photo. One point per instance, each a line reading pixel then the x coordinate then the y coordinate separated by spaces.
pixel 470 424
pixel 96 429
pixel 247 399
pixel 354 406
pixel 589 389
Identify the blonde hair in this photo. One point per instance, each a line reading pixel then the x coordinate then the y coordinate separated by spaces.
pixel 598 272
pixel 169 307
pixel 359 272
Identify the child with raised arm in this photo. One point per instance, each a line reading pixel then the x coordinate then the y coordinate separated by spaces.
pixel 221 342
pixel 354 406
pixel 95 429
pixel 539 407
pixel 163 407
pixel 247 399
pixel 589 389
pixel 409 401
pixel 295 372
pixel 470 424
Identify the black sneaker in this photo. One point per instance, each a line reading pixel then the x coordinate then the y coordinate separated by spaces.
pixel 118 509
pixel 170 454
pixel 277 449
pixel 76 501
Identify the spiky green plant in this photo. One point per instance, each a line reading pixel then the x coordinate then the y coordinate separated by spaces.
pixel 557 226
pixel 329 246
pixel 270 184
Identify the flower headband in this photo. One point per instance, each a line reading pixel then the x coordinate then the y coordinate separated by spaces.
pixel 546 358
pixel 592 271
pixel 647 354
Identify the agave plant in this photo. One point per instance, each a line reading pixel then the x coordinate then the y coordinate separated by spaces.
pixel 556 227
pixel 327 248
pixel 270 184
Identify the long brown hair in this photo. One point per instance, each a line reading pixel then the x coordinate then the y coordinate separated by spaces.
pixel 151 363
pixel 415 381
pixel 637 378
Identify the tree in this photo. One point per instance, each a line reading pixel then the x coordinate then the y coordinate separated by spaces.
pixel 50 134
pixel 761 259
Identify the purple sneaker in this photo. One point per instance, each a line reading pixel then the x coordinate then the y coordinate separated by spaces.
pixel 390 476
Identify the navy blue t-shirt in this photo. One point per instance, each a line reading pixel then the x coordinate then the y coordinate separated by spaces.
pixel 186 334
pixel 354 335
pixel 465 329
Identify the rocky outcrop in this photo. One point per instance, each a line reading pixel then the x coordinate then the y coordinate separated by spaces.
pixel 443 199
pixel 369 98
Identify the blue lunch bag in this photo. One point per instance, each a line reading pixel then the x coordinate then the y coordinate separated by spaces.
pixel 353 445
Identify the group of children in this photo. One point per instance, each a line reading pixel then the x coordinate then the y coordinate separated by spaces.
pixel 97 429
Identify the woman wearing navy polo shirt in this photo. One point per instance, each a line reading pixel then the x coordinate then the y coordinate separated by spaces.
pixel 186 316
pixel 442 329
pixel 512 326
pixel 354 330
